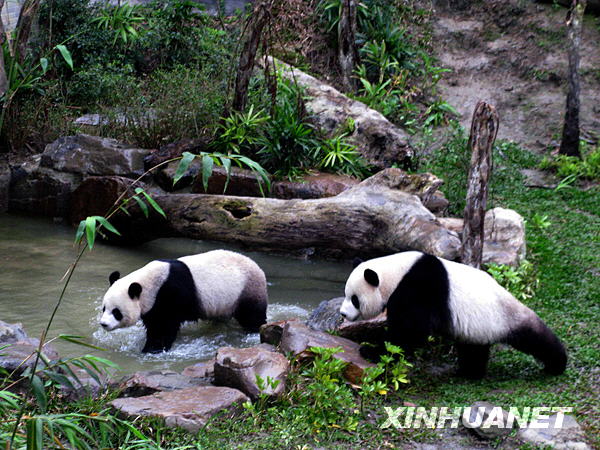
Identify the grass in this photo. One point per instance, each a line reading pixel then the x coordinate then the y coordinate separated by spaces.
pixel 565 256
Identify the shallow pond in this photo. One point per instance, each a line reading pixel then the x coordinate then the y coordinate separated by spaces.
pixel 35 254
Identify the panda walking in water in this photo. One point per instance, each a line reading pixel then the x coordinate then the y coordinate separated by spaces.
pixel 425 295
pixel 165 293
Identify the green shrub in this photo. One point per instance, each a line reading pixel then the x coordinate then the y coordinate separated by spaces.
pixel 521 281
pixel 102 84
pixel 588 166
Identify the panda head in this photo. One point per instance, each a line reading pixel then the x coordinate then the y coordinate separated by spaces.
pixel 363 296
pixel 121 305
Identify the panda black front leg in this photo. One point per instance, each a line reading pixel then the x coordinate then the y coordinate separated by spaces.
pixel 472 360
pixel 160 339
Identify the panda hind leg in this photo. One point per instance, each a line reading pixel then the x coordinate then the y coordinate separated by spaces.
pixel 250 314
pixel 472 360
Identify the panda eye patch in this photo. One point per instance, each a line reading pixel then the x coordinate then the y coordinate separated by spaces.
pixel 355 302
pixel 117 313
pixel 103 308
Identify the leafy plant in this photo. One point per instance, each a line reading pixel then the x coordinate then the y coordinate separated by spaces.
pixel 241 132
pixel 341 157
pixel 573 168
pixel 122 20
pixel 520 281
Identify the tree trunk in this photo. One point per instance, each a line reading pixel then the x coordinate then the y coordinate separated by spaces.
pixel 260 18
pixel 483 134
pixel 26 17
pixel 347 52
pixel 570 136
pixel 3 78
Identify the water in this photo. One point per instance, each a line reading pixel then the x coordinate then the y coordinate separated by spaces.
pixel 35 254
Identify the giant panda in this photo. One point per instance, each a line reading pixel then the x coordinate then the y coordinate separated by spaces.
pixel 425 295
pixel 219 284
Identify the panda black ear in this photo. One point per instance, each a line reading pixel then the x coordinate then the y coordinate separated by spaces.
pixel 356 262
pixel 371 277
pixel 113 277
pixel 135 289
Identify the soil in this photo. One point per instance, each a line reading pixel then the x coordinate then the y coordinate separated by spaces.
pixel 512 53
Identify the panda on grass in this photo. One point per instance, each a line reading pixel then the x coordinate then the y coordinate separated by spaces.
pixel 165 293
pixel 425 295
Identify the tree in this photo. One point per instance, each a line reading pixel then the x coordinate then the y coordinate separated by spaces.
pixel 347 51
pixel 570 136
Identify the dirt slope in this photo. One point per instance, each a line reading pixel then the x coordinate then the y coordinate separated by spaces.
pixel 512 53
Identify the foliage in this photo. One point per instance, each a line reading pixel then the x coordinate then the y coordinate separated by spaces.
pixel 121 20
pixel 241 132
pixel 588 166
pixel 96 85
pixel 342 157
pixel 520 281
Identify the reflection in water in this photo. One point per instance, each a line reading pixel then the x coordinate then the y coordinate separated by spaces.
pixel 35 253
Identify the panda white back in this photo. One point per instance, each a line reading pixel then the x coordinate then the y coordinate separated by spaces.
pixel 218 294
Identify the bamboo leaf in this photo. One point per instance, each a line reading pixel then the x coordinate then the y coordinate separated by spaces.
pixel 34 434
pixel 66 54
pixel 90 231
pixel 207 168
pixel 106 224
pixel 76 340
pixel 153 203
pixel 79 233
pixel 39 392
pixel 44 64
pixel 184 164
pixel 142 205
pixel 227 166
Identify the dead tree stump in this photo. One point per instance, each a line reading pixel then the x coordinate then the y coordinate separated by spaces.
pixel 347 51
pixel 484 129
pixel 258 21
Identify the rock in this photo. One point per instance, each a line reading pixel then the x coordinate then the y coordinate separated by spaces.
pixel 592 5
pixel 164 177
pixel 11 333
pixel 19 355
pixel 139 384
pixel 316 185
pixel 297 338
pixel 239 368
pixel 242 182
pixel 4 183
pixel 189 408
pixel 378 140
pixel 557 435
pixel 204 369
pixel 452 223
pixel 368 219
pixel 326 316
pixel 539 178
pixel 372 330
pixel 97 196
pixel 504 237
pixel 484 420
pixel 19 347
pixel 173 150
pixel 40 190
pixel 270 333
pixel 92 155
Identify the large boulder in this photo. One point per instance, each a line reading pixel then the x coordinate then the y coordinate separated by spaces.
pixel 240 368
pixel 189 408
pixel 377 139
pixel 40 190
pixel 144 383
pixel 315 185
pixel 483 420
pixel 93 155
pixel 558 431
pixel 504 236
pixel 18 349
pixel 326 316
